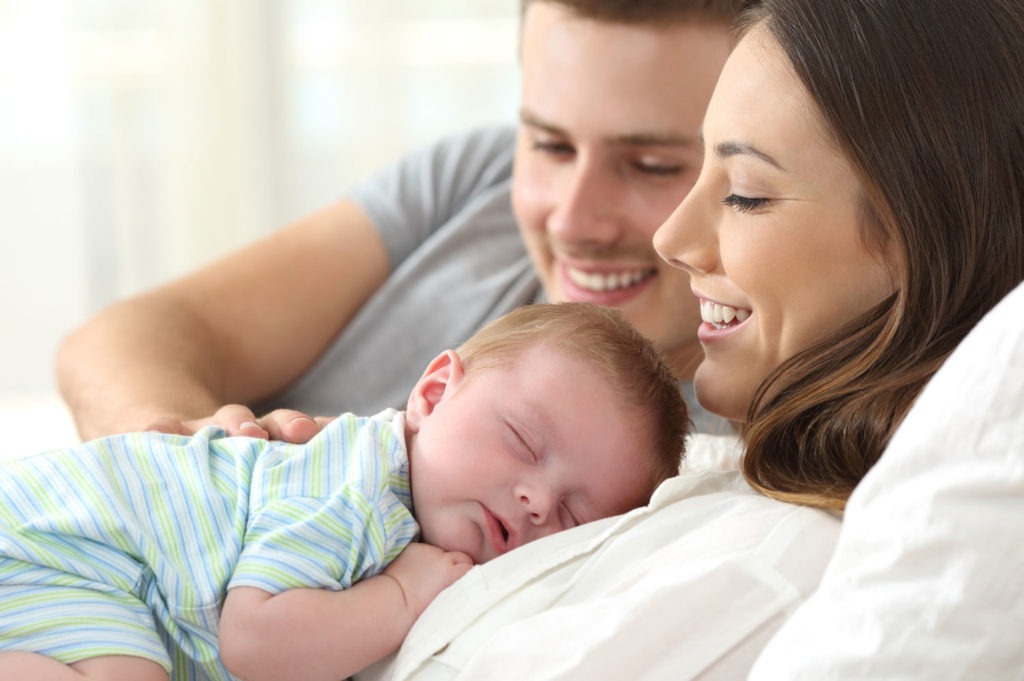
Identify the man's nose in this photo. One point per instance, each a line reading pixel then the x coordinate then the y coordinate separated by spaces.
pixel 586 200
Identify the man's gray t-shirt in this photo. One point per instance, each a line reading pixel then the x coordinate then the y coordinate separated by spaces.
pixel 457 261
pixel 445 216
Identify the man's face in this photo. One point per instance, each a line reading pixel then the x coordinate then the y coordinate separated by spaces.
pixel 607 148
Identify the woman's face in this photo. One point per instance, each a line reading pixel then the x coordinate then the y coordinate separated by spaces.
pixel 771 234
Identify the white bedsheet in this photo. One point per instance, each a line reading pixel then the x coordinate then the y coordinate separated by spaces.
pixel 34 423
pixel 634 597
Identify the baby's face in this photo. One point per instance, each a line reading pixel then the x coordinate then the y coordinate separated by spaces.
pixel 513 454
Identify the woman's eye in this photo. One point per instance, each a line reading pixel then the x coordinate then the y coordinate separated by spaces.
pixel 744 204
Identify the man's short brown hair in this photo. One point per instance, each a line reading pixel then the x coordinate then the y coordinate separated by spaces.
pixel 649 11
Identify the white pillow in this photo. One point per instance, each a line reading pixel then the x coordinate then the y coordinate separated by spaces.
pixel 927 581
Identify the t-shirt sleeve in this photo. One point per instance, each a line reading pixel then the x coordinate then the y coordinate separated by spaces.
pixel 328 513
pixel 328 543
pixel 415 196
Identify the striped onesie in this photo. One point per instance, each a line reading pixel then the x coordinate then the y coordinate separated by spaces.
pixel 128 544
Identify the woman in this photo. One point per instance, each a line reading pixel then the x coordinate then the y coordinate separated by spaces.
pixel 860 208
pixel 860 226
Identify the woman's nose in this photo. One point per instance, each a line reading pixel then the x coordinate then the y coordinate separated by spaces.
pixel 687 239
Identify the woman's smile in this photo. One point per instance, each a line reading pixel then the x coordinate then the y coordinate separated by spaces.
pixel 722 316
pixel 772 225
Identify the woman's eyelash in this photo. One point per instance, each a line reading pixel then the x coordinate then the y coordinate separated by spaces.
pixel 744 204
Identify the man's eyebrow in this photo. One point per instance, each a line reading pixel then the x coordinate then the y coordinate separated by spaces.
pixel 648 139
pixel 733 148
pixel 534 121
pixel 638 139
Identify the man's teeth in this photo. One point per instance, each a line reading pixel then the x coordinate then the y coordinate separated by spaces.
pixel 721 316
pixel 593 281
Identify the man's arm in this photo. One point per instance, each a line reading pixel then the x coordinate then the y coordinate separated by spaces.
pixel 313 634
pixel 235 331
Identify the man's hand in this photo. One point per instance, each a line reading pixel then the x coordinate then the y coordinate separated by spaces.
pixel 423 571
pixel 237 419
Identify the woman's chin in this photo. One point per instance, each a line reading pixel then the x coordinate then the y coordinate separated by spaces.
pixel 718 394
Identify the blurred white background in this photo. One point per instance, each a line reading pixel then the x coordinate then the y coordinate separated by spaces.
pixel 142 138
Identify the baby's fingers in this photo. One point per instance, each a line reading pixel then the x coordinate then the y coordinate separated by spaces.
pixel 460 565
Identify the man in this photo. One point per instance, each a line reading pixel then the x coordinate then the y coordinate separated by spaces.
pixel 340 310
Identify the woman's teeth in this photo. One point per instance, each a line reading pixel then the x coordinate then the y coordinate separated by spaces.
pixel 593 281
pixel 721 316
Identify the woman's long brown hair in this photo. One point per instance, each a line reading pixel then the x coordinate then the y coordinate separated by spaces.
pixel 925 98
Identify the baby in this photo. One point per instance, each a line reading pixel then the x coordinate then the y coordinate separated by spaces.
pixel 152 556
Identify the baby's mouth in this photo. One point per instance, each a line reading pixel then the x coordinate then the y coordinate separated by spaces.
pixel 497 530
pixel 722 316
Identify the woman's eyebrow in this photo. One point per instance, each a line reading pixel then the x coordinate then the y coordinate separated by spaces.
pixel 729 148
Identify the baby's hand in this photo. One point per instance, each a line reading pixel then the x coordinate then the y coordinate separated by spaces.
pixel 423 571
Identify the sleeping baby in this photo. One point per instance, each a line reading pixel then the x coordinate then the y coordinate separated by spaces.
pixel 153 556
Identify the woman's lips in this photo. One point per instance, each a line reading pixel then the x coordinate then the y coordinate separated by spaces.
pixel 720 315
pixel 719 319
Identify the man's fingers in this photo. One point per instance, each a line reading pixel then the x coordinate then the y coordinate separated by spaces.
pixel 169 426
pixel 238 419
pixel 290 425
pixel 235 419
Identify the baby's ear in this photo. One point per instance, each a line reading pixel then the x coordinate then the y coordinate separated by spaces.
pixel 442 374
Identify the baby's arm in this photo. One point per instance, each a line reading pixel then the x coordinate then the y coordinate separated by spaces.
pixel 314 634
